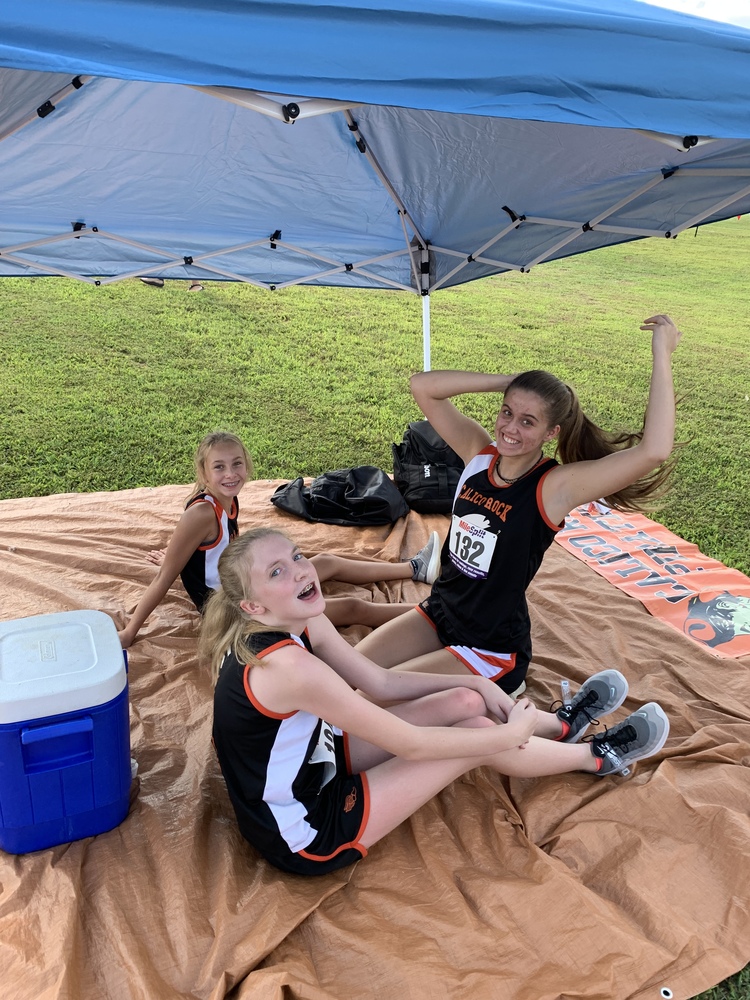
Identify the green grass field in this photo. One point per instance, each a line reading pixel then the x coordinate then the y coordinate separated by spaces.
pixel 110 388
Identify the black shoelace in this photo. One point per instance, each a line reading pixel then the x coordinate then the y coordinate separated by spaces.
pixel 569 712
pixel 616 739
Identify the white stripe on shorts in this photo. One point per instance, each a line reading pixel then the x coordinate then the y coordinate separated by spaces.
pixel 483 661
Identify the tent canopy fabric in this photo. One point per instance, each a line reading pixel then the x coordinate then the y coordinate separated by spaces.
pixel 399 145
pixel 619 63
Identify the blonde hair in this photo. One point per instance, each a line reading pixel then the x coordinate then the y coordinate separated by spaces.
pixel 201 457
pixel 581 440
pixel 225 625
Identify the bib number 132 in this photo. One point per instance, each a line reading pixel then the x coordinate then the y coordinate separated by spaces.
pixel 471 548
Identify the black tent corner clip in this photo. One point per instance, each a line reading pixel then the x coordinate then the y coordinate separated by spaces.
pixel 276 235
pixel 290 112
pixel 513 217
pixel 45 109
pixel 359 142
pixel 77 227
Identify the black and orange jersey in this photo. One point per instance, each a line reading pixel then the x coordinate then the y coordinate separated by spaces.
pixel 200 576
pixel 497 538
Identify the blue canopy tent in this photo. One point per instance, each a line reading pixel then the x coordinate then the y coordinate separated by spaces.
pixel 397 144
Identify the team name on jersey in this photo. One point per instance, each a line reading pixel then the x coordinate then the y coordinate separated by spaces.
pixel 497 507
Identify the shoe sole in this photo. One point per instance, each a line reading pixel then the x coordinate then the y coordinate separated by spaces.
pixel 624 682
pixel 433 566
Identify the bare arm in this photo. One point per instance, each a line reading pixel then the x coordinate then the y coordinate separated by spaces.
pixel 395 685
pixel 196 526
pixel 568 486
pixel 433 391
pixel 292 679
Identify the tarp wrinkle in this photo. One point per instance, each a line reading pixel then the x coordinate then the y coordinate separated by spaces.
pixel 495 881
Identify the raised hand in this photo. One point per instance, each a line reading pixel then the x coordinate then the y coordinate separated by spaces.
pixel 664 332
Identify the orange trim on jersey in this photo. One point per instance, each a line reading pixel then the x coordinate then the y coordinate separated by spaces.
pixel 540 505
pixel 426 616
pixel 278 645
pixel 365 811
pixel 347 755
pixel 353 844
pixel 251 697
pixel 213 504
pixel 502 485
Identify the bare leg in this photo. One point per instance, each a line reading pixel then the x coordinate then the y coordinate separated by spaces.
pixel 348 570
pixel 399 787
pixel 411 643
pixel 455 706
pixel 444 662
pixel 403 639
pixel 445 708
pixel 344 611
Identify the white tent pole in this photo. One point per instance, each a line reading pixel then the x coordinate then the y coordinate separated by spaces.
pixel 426 333
pixel 300 107
pixel 46 107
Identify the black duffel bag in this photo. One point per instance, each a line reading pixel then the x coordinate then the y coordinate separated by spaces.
pixel 426 470
pixel 359 496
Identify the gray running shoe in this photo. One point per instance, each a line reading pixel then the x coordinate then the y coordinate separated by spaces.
pixel 425 565
pixel 599 695
pixel 640 735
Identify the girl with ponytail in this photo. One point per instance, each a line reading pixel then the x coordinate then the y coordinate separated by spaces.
pixel 511 501
pixel 316 772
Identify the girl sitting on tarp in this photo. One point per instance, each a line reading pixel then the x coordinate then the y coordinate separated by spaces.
pixel 209 523
pixel 511 501
pixel 316 772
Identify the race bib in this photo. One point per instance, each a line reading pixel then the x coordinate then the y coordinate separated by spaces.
pixel 472 545
pixel 324 752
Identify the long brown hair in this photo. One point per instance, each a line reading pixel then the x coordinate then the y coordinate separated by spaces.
pixel 201 457
pixel 580 439
pixel 225 625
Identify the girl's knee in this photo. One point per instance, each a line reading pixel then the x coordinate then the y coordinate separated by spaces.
pixel 343 611
pixel 470 702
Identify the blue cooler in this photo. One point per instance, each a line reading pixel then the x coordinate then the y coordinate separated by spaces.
pixel 64 730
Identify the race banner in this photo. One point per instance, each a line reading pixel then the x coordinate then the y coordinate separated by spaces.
pixel 675 582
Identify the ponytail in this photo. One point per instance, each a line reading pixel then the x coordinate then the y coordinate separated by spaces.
pixel 226 627
pixel 581 440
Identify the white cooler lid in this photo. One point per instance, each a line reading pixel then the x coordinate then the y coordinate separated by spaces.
pixel 53 664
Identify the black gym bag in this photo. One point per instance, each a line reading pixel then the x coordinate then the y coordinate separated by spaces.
pixel 363 495
pixel 426 470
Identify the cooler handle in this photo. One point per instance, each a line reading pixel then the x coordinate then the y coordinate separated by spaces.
pixel 56 730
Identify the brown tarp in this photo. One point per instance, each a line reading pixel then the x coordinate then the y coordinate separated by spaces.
pixel 522 890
